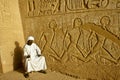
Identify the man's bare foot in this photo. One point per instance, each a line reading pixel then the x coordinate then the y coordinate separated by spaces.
pixel 26 75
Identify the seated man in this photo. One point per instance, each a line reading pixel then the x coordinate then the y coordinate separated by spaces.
pixel 33 59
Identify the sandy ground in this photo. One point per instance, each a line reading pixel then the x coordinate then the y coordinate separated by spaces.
pixel 18 75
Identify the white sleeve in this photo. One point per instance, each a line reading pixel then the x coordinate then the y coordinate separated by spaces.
pixel 38 50
pixel 25 52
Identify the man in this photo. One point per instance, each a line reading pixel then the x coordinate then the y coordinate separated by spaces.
pixel 33 59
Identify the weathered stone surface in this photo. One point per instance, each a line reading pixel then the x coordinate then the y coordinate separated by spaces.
pixel 11 35
pixel 78 37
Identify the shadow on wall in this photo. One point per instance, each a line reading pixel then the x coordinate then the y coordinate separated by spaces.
pixel 18 56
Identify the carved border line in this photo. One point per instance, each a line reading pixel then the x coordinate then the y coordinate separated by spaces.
pixel 82 11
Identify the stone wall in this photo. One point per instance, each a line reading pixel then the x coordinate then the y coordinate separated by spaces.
pixel 11 36
pixel 77 37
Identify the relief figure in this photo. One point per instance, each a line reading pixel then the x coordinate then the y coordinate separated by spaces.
pixel 73 52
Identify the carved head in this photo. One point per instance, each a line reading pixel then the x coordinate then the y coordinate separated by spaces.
pixel 105 21
pixel 53 24
pixel 77 22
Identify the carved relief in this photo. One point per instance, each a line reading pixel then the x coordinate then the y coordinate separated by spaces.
pixel 31 5
pixel 73 52
pixel 86 42
pixel 118 4
pixel 89 4
pixel 118 25
pixel 57 41
pixel 52 7
pixel 42 41
pixel 97 3
pixel 93 37
pixel 44 7
pixel 49 36
pixel 75 4
pixel 112 48
pixel 109 49
pixel 105 22
pixel 106 25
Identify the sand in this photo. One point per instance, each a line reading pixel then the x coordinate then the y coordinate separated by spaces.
pixel 51 75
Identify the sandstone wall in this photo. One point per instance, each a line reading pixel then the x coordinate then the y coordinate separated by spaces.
pixel 11 35
pixel 78 37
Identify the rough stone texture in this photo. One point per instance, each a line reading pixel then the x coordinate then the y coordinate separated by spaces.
pixel 77 37
pixel 16 75
pixel 11 35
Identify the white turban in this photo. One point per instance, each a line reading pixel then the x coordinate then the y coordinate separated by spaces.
pixel 30 38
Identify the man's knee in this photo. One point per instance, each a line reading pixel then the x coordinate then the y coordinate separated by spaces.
pixel 42 57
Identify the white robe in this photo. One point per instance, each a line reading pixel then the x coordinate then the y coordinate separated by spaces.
pixel 34 63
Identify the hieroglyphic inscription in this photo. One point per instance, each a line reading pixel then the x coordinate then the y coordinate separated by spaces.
pixel 43 7
pixel 52 7
pixel 89 4
pixel 118 4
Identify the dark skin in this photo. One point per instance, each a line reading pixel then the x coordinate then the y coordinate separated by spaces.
pixel 30 42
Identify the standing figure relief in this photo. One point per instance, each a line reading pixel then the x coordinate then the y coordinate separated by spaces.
pixel 87 41
pixel 54 46
pixel 82 42
pixel 57 44
pixel 109 49
pixel 72 50
pixel 48 37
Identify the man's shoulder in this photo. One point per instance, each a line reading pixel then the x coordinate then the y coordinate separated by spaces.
pixel 25 46
pixel 33 44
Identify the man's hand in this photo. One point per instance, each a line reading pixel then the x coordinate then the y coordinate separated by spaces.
pixel 28 56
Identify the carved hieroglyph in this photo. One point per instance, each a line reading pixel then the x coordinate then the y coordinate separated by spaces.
pixel 78 37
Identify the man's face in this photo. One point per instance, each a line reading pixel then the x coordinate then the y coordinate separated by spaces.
pixel 30 42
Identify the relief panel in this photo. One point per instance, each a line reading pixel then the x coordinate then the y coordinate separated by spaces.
pixel 53 7
pixel 83 34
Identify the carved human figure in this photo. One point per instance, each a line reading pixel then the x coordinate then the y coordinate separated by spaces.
pixel 47 38
pixel 53 49
pixel 57 44
pixel 73 34
pixel 110 50
pixel 81 44
pixel 86 43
